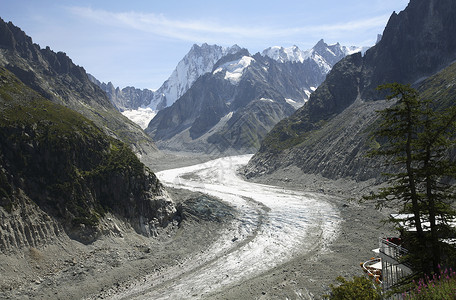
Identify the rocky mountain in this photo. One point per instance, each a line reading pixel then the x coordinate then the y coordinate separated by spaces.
pixel 141 106
pixel 329 134
pixel 198 61
pixel 58 79
pixel 319 60
pixel 326 56
pixel 126 98
pixel 61 175
pixel 231 108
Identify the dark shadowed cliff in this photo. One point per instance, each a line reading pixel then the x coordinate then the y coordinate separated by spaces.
pixel 60 173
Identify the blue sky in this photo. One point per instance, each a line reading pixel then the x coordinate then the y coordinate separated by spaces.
pixel 139 43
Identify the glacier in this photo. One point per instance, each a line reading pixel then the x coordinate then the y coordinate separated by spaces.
pixel 273 225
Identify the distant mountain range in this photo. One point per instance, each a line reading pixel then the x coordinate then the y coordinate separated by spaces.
pixel 284 76
pixel 329 135
pixel 326 56
pixel 231 108
pixel 142 105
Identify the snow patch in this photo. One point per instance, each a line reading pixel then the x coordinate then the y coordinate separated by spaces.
pixel 353 49
pixel 294 103
pixel 290 101
pixel 267 99
pixel 141 116
pixel 217 71
pixel 234 69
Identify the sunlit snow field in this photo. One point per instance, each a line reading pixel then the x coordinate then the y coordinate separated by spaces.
pixel 141 116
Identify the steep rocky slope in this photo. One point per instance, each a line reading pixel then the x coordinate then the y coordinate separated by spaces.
pixel 329 135
pixel 60 174
pixel 58 79
pixel 197 62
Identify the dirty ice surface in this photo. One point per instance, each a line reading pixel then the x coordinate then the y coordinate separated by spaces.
pixel 272 226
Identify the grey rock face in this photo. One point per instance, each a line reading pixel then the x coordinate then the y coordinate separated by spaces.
pixel 416 43
pixel 197 62
pixel 214 112
pixel 26 226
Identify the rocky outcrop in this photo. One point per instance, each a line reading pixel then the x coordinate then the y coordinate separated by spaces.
pixel 416 43
pixel 25 225
pixel 57 78
pixel 59 170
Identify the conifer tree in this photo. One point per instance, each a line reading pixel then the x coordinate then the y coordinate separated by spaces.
pixel 416 141
pixel 435 174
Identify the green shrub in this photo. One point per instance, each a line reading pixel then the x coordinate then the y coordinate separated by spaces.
pixel 360 288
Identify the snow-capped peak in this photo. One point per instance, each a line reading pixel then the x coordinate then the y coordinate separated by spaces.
pixel 281 54
pixel 197 62
pixel 323 54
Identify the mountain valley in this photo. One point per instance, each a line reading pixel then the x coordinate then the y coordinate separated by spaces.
pixel 240 179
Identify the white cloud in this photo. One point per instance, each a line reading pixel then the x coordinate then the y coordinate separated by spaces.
pixel 215 32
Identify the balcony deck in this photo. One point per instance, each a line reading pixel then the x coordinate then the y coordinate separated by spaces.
pixel 393 266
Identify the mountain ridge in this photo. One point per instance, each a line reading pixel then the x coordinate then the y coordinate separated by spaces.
pixel 57 78
pixel 409 50
pixel 211 115
pixel 142 105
